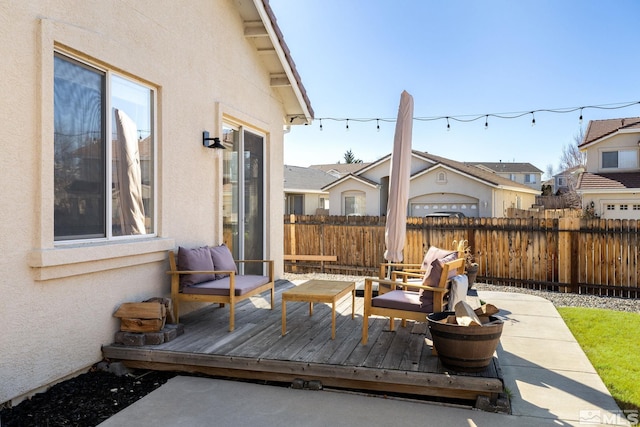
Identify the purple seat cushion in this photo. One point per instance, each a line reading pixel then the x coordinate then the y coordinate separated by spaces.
pixel 405 300
pixel 197 259
pixel 223 260
pixel 244 284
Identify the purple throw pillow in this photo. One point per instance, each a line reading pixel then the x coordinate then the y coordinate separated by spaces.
pixel 222 260
pixel 197 259
pixel 433 254
pixel 432 278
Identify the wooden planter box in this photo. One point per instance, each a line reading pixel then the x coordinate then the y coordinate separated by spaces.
pixel 141 316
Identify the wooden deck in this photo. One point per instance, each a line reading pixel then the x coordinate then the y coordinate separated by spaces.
pixel 392 362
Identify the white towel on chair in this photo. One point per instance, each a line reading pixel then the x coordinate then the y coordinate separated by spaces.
pixel 458 291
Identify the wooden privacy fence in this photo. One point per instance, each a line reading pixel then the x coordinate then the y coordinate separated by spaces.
pixel 593 256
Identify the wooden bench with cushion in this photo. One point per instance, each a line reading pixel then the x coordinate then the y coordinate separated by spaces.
pixel 210 274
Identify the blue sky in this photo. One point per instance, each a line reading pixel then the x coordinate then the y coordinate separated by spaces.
pixel 459 58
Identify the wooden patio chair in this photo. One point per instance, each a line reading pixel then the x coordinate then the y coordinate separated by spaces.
pixel 413 296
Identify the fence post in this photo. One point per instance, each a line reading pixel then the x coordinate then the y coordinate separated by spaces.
pixel 292 242
pixel 568 232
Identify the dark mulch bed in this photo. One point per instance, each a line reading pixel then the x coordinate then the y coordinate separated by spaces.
pixel 84 401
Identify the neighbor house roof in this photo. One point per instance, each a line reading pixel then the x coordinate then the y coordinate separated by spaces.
pixel 506 167
pixel 301 179
pixel 476 172
pixel 351 176
pixel 609 181
pixel 600 128
pixel 341 169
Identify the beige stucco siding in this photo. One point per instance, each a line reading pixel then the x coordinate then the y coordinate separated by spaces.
pixel 352 187
pixel 58 301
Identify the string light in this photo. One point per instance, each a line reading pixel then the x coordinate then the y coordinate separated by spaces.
pixel 474 117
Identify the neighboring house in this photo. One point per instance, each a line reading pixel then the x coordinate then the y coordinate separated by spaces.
pixel 339 170
pixel 303 194
pixel 523 173
pixel 104 167
pixel 437 185
pixel 610 185
pixel 566 181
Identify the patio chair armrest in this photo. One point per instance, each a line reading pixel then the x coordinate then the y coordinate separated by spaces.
pixel 400 266
pixel 407 274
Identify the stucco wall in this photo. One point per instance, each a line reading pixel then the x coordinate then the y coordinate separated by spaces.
pixel 312 202
pixel 57 302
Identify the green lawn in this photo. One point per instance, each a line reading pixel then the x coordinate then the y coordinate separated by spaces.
pixel 611 341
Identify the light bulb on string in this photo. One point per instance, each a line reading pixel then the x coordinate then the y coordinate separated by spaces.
pixel 378 125
pixel 486 122
pixel 533 120
pixel 347 124
pixel 320 124
pixel 581 116
pixel 448 125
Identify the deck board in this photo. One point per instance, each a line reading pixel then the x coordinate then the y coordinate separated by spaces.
pixel 398 361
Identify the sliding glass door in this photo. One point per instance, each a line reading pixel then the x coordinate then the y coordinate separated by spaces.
pixel 243 195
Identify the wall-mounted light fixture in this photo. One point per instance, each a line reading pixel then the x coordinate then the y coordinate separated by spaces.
pixel 216 141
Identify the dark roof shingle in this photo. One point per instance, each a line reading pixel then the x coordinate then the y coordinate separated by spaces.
pixel 507 167
pixel 609 181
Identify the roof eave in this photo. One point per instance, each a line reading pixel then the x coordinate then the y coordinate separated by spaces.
pixel 303 114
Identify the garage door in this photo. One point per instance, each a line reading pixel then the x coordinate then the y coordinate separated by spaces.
pixel 424 209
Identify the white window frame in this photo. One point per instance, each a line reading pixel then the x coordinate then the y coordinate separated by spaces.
pixel 109 73
pixel 625 159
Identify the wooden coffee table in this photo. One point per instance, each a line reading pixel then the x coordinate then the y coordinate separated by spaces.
pixel 321 291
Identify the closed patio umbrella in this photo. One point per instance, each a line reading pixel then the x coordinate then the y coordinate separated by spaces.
pixel 128 179
pixel 400 171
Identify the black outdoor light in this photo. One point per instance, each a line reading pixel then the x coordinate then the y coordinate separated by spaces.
pixel 216 141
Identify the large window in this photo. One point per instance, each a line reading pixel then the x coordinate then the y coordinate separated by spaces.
pixel 623 159
pixel 104 153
